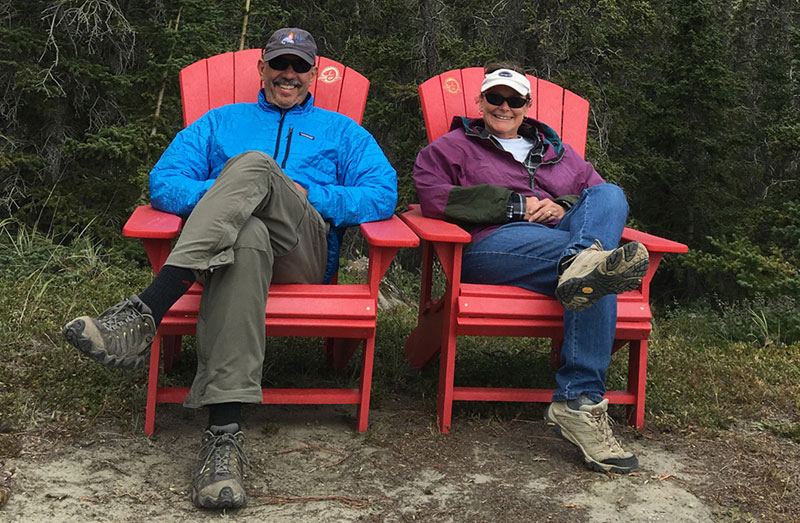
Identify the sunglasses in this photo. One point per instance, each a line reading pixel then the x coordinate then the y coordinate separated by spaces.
pixel 515 102
pixel 279 63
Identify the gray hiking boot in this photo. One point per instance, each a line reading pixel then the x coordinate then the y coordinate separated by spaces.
pixel 120 337
pixel 589 429
pixel 218 480
pixel 594 273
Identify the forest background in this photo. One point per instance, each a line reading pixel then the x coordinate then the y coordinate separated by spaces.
pixel 695 107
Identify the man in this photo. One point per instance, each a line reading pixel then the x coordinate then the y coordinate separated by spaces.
pixel 265 186
pixel 540 218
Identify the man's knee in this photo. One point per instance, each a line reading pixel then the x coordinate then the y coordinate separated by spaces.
pixel 253 235
pixel 252 164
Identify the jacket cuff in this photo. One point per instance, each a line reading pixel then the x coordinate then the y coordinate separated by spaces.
pixel 515 208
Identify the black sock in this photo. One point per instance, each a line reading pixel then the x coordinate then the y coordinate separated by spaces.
pixel 220 414
pixel 167 287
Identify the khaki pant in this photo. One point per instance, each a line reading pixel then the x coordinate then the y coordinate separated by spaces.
pixel 252 228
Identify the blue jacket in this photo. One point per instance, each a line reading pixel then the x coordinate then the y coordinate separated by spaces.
pixel 348 178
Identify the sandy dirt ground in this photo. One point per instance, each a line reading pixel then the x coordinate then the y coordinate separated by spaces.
pixel 308 464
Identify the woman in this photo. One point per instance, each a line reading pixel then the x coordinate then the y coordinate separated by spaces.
pixel 540 217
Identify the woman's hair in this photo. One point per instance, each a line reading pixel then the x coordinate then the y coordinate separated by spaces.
pixel 491 67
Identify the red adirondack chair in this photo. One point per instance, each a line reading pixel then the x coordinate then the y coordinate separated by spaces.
pixel 343 314
pixel 490 310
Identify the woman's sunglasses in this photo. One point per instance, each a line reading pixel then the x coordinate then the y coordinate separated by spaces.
pixel 515 102
pixel 279 63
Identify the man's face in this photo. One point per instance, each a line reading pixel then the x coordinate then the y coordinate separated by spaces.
pixel 285 88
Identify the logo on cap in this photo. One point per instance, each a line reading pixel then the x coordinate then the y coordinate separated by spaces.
pixel 291 38
pixel 504 74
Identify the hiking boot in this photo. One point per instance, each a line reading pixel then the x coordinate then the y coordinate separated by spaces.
pixel 120 337
pixel 217 483
pixel 589 429
pixel 593 273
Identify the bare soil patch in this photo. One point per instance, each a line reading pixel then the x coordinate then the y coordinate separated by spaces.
pixel 307 463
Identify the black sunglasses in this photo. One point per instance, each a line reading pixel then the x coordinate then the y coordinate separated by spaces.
pixel 515 102
pixel 279 63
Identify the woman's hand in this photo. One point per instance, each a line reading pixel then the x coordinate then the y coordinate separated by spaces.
pixel 542 211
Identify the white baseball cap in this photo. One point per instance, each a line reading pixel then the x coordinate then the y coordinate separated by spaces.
pixel 507 77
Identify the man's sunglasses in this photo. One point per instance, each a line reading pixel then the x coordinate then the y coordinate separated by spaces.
pixel 515 102
pixel 279 63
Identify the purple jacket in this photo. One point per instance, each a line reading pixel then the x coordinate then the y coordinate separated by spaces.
pixel 466 177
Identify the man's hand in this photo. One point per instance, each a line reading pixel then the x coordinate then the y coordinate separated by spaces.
pixel 542 211
pixel 302 189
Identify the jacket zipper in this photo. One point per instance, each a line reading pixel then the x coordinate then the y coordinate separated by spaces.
pixel 288 145
pixel 278 138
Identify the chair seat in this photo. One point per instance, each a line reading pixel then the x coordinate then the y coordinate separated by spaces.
pixel 292 310
pixel 496 310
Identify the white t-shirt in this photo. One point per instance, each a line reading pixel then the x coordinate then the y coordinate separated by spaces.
pixel 518 147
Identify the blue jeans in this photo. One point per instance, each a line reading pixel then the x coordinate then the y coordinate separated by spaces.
pixel 527 255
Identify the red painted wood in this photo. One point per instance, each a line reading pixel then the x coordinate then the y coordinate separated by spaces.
pixel 472 79
pixel 389 233
pixel 146 222
pixel 220 80
pixel 278 396
pixel 194 91
pixel 433 230
pixel 327 86
pixel 353 106
pixel 431 98
pixel 575 122
pixel 452 86
pixel 550 104
pixel 246 80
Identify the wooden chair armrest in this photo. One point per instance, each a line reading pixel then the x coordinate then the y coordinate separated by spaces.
pixel 149 223
pixel 653 243
pixel 433 230
pixel 389 233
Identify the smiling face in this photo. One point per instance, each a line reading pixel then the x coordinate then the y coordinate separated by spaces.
pixel 285 88
pixel 502 121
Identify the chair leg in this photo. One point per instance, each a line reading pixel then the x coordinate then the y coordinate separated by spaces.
pixel 422 344
pixel 365 384
pixel 152 387
pixel 171 347
pixel 338 351
pixel 637 381
pixel 447 366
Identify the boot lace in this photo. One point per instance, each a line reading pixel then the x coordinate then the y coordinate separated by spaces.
pixel 217 453
pixel 603 423
pixel 119 315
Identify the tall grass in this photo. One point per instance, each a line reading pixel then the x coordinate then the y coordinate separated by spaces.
pixel 710 364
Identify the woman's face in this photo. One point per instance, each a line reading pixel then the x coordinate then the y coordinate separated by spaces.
pixel 502 121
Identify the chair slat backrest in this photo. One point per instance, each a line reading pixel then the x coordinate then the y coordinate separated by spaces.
pixel 233 77
pixel 453 93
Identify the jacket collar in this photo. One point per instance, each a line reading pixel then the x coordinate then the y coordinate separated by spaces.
pixel 304 106
pixel 474 127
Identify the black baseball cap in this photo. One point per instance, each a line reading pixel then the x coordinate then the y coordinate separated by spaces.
pixel 291 40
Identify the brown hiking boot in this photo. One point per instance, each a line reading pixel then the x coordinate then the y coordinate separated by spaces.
pixel 218 480
pixel 589 429
pixel 595 273
pixel 120 337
